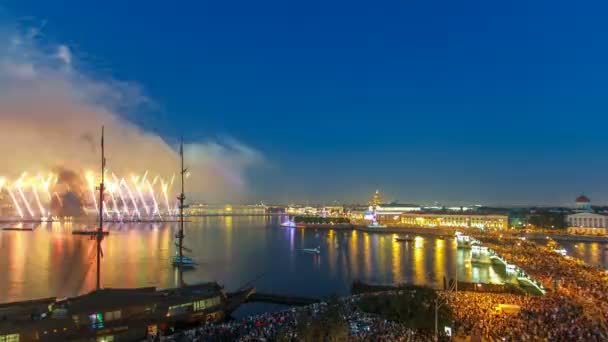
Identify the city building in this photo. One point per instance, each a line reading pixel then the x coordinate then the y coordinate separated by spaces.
pixel 197 209
pixel 452 220
pixel 386 212
pixel 587 224
pixel 583 203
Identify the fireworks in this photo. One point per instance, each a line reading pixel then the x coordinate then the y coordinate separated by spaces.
pixel 45 196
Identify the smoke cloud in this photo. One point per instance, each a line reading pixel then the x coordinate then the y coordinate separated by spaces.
pixel 51 115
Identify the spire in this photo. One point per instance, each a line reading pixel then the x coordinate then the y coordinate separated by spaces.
pixel 376 199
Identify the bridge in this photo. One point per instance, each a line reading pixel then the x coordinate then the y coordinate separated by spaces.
pixel 499 259
pixel 282 299
pixel 481 254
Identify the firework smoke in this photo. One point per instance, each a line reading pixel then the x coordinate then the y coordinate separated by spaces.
pixel 50 115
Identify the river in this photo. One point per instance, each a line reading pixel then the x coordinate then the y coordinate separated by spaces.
pixel 50 261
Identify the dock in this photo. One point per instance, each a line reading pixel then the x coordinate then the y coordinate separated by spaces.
pixel 282 299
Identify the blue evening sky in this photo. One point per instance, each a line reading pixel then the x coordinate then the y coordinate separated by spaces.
pixel 498 102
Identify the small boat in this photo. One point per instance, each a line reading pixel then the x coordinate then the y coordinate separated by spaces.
pixel 292 224
pixel 18 229
pixel 312 250
pixel 184 262
pixel 404 239
pixel 89 232
pixel 561 251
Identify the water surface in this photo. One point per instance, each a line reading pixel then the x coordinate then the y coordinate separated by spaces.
pixel 50 261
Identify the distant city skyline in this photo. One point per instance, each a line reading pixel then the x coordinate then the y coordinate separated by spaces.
pixel 470 103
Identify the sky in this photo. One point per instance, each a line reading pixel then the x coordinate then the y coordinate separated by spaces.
pixel 473 102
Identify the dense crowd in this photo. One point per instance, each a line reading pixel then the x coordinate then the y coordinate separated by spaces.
pixel 552 317
pixel 577 305
pixel 284 324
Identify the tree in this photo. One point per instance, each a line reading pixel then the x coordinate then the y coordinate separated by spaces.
pixel 413 306
pixel 328 327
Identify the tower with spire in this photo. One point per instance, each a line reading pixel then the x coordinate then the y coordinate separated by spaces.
pixel 376 199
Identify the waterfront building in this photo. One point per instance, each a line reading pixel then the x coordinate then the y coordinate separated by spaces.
pixel 298 210
pixel 587 224
pixel 386 212
pixel 198 209
pixel 452 220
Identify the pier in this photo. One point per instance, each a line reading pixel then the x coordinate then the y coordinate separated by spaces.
pixel 282 299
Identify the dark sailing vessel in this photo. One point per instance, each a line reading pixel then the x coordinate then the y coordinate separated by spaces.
pixel 120 314
pixel 180 260
pixel 117 314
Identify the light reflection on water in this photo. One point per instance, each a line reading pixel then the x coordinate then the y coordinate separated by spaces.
pixel 593 253
pixel 232 250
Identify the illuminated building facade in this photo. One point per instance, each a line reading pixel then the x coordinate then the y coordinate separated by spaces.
pixel 204 209
pixel 451 220
pixel 587 224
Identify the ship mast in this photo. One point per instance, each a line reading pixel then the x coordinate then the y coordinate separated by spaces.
pixel 99 235
pixel 181 198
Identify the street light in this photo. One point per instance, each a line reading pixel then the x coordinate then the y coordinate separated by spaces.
pixel 437 306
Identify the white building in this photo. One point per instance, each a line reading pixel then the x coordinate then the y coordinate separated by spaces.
pixel 586 222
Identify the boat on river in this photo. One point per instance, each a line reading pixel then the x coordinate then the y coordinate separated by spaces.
pixel 292 224
pixel 312 250
pixel 118 314
pixel 406 238
pixel 183 261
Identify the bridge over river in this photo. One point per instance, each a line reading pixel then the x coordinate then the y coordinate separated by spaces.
pixel 482 254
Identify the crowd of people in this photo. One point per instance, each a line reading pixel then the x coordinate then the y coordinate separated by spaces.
pixel 527 318
pixel 283 325
pixel 576 306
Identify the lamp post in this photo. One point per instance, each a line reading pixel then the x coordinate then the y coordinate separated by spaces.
pixel 436 319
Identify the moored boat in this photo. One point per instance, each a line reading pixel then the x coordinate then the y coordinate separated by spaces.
pixel 117 314
pixel 312 250
pixel 406 238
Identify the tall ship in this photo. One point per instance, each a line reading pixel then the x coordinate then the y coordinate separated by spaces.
pixel 113 314
pixel 117 314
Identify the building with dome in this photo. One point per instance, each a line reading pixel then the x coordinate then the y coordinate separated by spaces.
pixel 583 203
pixel 585 221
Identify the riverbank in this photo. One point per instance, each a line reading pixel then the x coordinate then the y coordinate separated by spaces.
pixel 384 230
pixel 566 237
